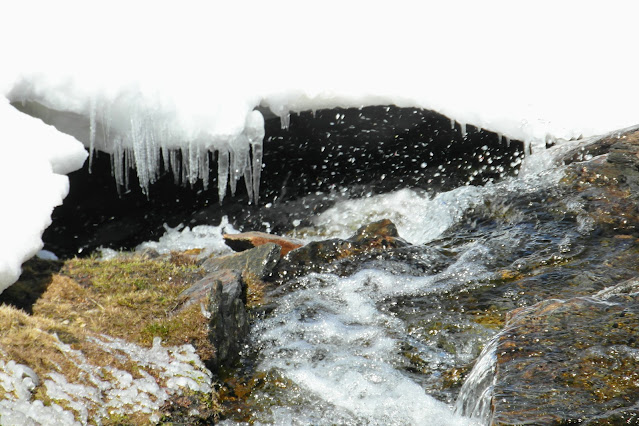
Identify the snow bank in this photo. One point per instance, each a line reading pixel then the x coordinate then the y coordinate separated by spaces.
pixel 143 78
pixel 33 160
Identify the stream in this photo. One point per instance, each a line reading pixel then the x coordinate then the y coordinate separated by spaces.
pixel 387 341
pixel 391 337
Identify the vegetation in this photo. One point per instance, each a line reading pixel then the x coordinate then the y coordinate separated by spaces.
pixel 77 302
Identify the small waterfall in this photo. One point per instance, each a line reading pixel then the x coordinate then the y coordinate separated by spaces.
pixel 475 397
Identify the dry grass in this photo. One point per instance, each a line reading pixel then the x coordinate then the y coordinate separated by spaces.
pixel 128 298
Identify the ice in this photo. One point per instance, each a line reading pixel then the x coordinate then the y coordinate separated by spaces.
pixel 16 408
pixel 104 389
pixel 205 237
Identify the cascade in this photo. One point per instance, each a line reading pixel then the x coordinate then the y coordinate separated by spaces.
pixel 475 396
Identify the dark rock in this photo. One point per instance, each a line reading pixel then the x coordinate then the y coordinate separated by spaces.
pixel 248 240
pixel 256 262
pixel 315 256
pixel 570 361
pixel 226 286
pixel 229 321
pixel 199 292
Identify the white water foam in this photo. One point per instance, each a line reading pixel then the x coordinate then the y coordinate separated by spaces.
pixel 421 218
pixel 336 345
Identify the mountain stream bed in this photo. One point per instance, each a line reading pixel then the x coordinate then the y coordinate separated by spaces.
pixel 510 302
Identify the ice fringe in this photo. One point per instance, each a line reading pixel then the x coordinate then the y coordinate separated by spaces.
pixel 142 146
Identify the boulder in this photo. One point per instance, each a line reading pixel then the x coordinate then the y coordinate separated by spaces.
pixel 256 262
pixel 315 256
pixel 226 286
pixel 248 240
pixel 200 291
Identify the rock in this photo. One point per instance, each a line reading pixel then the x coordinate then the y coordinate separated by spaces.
pixel 248 240
pixel 570 361
pixel 256 262
pixel 226 286
pixel 314 256
pixel 199 292
pixel 229 322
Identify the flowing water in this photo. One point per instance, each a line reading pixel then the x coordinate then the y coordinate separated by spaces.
pixel 391 340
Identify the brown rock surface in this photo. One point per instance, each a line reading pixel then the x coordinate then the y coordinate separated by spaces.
pixel 374 237
pixel 248 240
pixel 566 361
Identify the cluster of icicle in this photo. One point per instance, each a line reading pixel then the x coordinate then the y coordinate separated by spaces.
pixel 143 147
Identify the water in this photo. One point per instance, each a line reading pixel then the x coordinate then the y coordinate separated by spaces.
pixel 391 340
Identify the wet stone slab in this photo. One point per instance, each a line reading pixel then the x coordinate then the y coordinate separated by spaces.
pixel 570 361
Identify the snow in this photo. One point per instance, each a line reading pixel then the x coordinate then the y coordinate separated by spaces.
pixel 34 158
pixel 143 79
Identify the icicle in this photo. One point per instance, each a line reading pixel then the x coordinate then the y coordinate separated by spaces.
pixel 222 172
pixel 92 113
pixel 194 163
pixel 239 164
pixel 507 141
pixel 255 133
pixel 285 120
pixel 185 165
pixel 452 124
pixel 139 151
pixel 152 151
pixel 176 165
pixel 127 165
pixel 117 162
pixel 248 179
pixel 499 138
pixel 234 166
pixel 204 167
pixel 463 129
pixel 166 161
pixel 256 153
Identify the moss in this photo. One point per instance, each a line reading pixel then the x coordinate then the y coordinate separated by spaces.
pixel 125 298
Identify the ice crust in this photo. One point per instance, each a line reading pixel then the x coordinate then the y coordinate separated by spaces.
pixel 206 237
pixel 107 390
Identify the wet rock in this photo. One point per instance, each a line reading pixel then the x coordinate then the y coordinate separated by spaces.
pixel 315 256
pixel 229 321
pixel 200 291
pixel 566 361
pixel 256 262
pixel 230 283
pixel 248 240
